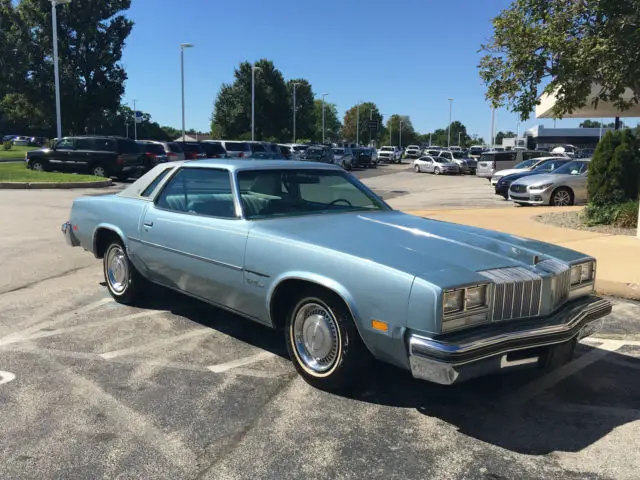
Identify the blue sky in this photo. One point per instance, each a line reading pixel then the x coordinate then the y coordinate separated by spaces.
pixel 407 56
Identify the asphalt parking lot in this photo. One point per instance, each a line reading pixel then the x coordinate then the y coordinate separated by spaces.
pixel 178 389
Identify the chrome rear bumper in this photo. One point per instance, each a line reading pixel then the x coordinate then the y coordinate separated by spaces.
pixel 461 356
pixel 67 231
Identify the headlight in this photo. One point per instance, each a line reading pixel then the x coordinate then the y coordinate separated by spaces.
pixel 475 297
pixel 453 301
pixel 582 273
pixel 540 187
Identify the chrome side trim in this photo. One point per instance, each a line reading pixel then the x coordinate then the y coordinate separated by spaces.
pixel 186 254
pixel 424 346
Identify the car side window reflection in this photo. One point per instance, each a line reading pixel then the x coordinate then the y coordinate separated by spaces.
pixel 65 144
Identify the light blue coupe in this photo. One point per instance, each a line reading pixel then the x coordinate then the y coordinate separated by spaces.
pixel 307 248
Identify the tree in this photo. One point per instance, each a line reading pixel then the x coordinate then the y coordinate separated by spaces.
pixel 440 137
pixel 614 169
pixel 332 125
pixel 573 45
pixel 305 108
pixel 502 135
pixel 368 111
pixel 91 37
pixel 593 124
pixel 409 135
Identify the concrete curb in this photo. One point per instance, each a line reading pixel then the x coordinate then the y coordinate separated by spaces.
pixel 53 185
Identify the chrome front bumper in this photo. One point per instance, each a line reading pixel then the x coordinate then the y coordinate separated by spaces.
pixel 67 231
pixel 498 348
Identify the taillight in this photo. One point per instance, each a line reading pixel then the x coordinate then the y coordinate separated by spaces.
pixel 241 155
pixel 152 156
pixel 120 160
pixel 171 154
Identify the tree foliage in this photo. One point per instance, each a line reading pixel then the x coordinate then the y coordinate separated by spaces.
pixel 368 111
pixel 614 171
pixel 409 134
pixel 332 125
pixel 305 108
pixel 563 47
pixel 595 124
pixel 91 37
pixel 440 137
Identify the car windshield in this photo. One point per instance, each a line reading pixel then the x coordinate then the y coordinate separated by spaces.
pixel 237 146
pixel 526 163
pixel 572 168
pixel 288 192
pixel 338 151
pixel 458 155
pixel 386 149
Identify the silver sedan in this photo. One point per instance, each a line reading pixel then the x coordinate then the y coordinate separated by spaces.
pixel 566 186
pixel 435 165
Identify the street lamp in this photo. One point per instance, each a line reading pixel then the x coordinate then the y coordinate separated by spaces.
pixel 358 124
pixel 323 95
pixel 295 85
pixel 449 129
pixel 56 73
pixel 253 100
pixel 400 136
pixel 182 47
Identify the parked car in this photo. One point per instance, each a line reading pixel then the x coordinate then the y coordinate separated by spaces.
pixel 343 157
pixel 213 149
pixel 233 149
pixel 524 166
pixel 492 161
pixel 99 155
pixel 413 151
pixel 362 157
pixel 435 165
pixel 548 165
pixel 297 149
pixel 466 164
pixel 152 154
pixel 20 141
pixel 293 251
pixel 374 156
pixel 318 153
pixel 193 151
pixel 265 147
pixel 389 154
pixel 565 186
pixel 173 150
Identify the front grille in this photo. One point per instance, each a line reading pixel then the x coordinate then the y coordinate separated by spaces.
pixel 561 280
pixel 516 293
pixel 518 188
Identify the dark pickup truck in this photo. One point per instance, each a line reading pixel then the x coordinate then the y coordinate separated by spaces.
pixel 100 156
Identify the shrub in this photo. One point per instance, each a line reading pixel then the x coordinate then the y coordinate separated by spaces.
pixel 7 145
pixel 627 216
pixel 623 215
pixel 615 168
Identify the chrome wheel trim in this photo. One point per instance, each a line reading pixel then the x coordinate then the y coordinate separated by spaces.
pixel 117 270
pixel 99 172
pixel 436 171
pixel 562 198
pixel 37 166
pixel 316 338
pixel 417 168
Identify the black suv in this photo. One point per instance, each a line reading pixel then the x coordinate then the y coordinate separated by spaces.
pixel 101 156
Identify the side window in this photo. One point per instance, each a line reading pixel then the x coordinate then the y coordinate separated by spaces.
pixel 85 144
pixel 152 186
pixel 65 144
pixel 200 191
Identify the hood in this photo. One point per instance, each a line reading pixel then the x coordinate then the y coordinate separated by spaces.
pixel 511 171
pixel 432 249
pixel 517 176
pixel 542 178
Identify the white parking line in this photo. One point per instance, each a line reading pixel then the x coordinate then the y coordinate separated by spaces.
pixel 150 346
pixel 545 382
pixel 241 362
pixel 6 377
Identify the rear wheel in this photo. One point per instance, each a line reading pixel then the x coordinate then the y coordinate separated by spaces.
pixel 562 197
pixel 123 281
pixel 417 168
pixel 323 341
pixel 437 171
pixel 98 170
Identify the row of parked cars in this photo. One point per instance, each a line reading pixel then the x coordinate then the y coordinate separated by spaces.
pixel 120 157
pixel 24 141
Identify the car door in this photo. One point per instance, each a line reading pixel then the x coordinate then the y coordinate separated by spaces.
pixel 427 166
pixel 192 238
pixel 83 155
pixel 61 157
pixel 579 183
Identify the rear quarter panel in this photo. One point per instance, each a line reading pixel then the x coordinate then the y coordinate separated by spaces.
pixel 371 291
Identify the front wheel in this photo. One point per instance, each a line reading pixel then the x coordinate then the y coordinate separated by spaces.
pixel 38 166
pixel 417 168
pixel 98 171
pixel 437 171
pixel 323 341
pixel 125 284
pixel 562 197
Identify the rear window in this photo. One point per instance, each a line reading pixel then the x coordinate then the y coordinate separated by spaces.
pixel 191 147
pixel 237 146
pixel 257 147
pixel 128 146
pixel 152 148
pixel 214 148
pixel 174 147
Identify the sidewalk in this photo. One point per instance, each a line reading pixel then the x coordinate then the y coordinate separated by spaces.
pixel 618 256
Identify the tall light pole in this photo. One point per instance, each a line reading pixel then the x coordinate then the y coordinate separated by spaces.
pixel 358 124
pixel 323 95
pixel 295 85
pixel 493 128
pixel 56 73
pixel 400 136
pixel 182 47
pixel 253 100
pixel 449 129
pixel 459 133
pixel 135 122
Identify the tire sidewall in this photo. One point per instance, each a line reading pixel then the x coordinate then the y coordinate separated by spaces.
pixel 132 291
pixel 561 189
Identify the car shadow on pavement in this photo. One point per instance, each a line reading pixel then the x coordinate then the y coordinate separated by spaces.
pixel 568 417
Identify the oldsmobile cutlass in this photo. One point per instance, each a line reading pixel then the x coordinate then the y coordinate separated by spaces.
pixel 307 248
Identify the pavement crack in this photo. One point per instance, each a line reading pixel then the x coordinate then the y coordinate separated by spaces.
pixel 36 282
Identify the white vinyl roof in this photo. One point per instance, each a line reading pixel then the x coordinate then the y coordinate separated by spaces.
pixel 604 109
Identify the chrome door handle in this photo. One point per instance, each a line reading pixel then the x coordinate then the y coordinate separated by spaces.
pixel 148 224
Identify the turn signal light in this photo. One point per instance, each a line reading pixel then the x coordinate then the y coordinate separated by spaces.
pixel 378 325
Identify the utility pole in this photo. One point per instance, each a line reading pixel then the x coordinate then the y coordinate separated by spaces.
pixel 135 122
pixel 56 73
pixel 429 139
pixel 400 136
pixel 449 129
pixel 295 85
pixel 323 95
pixel 459 133
pixel 358 124
pixel 493 128
pixel 182 47
pixel 253 101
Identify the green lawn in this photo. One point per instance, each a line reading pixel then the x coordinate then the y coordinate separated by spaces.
pixel 18 172
pixel 15 152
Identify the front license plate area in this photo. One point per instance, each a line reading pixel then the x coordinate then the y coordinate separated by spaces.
pixel 591 328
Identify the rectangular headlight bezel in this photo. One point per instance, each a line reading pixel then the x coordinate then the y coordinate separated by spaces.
pixel 469 314
pixel 582 274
